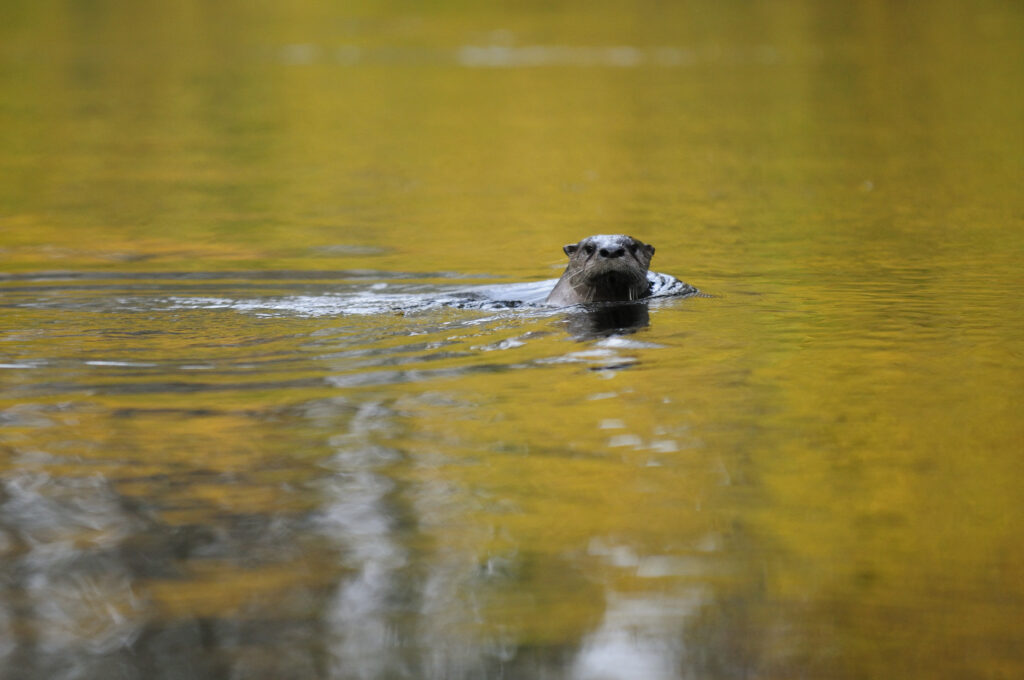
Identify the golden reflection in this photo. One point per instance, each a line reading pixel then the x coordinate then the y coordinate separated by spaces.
pixel 813 473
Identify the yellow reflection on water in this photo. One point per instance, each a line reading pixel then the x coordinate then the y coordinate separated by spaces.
pixel 812 473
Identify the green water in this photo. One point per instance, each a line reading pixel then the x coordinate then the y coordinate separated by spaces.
pixel 236 440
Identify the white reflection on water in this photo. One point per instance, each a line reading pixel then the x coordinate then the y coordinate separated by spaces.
pixel 61 563
pixel 639 637
pixel 551 55
pixel 356 516
pixel 393 615
pixel 399 614
pixel 504 56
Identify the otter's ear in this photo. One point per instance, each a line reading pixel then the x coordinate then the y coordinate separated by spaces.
pixel 648 250
pixel 570 248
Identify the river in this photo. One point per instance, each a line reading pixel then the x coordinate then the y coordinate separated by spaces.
pixel 244 433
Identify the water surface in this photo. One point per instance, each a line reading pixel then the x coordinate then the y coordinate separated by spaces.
pixel 239 437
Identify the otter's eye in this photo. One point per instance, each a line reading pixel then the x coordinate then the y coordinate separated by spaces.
pixel 589 249
pixel 632 248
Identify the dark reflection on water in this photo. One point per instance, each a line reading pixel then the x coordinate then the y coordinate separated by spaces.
pixel 77 561
pixel 604 320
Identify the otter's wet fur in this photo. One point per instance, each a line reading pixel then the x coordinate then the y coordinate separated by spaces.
pixel 604 268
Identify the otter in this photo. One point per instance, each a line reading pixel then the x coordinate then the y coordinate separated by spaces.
pixel 604 268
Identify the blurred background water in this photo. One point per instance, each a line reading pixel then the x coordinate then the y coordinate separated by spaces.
pixel 238 439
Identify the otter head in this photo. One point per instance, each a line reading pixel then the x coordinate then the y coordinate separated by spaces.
pixel 608 268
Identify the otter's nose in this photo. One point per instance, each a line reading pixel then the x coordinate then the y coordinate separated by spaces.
pixel 612 253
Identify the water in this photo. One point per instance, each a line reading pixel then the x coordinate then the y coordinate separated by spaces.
pixel 240 437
